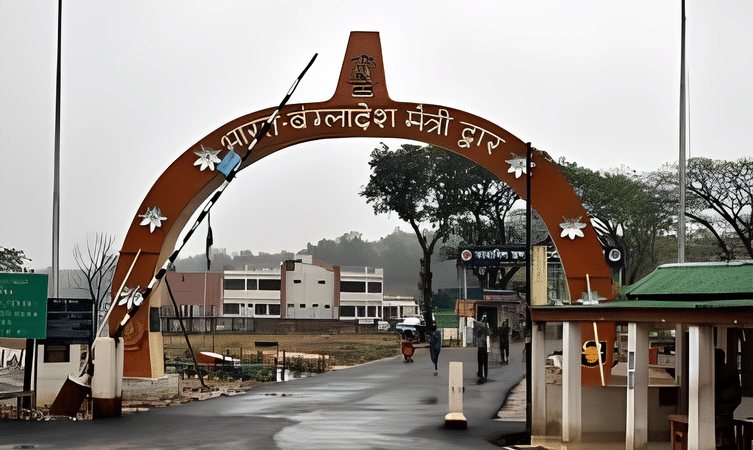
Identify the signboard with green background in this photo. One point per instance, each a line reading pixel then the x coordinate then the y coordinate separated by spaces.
pixel 23 305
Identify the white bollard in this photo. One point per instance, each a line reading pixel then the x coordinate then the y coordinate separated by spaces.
pixel 455 417
pixel 107 381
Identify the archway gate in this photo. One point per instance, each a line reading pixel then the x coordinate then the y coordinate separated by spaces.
pixel 360 107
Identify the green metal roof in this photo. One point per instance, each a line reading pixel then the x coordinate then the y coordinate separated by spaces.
pixel 689 304
pixel 696 281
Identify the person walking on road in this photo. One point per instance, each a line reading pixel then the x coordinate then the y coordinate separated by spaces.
pixel 504 342
pixel 406 347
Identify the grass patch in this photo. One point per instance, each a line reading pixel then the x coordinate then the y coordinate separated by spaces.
pixel 342 349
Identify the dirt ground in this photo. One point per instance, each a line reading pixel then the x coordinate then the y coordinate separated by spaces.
pixel 341 349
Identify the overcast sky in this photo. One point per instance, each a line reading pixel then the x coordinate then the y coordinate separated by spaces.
pixel 593 81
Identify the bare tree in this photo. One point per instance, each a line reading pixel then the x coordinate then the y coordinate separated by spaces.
pixel 720 199
pixel 97 267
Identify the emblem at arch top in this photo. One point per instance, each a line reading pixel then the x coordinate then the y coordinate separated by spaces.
pixel 362 76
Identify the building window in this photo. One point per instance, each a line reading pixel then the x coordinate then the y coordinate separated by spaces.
pixel 154 320
pixel 297 281
pixel 302 305
pixel 251 284
pixel 352 286
pixel 361 311
pixel 326 306
pixel 274 310
pixel 231 308
pixel 372 311
pixel 261 309
pixel 375 287
pixel 315 305
pixel 57 353
pixel 322 282
pixel 235 284
pixel 347 311
pixel 269 285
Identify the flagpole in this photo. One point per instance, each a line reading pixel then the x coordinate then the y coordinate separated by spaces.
pixel 56 171
pixel 682 165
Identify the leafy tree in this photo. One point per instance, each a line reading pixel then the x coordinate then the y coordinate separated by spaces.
pixel 12 260
pixel 488 202
pixel 627 210
pixel 720 197
pixel 422 185
pixel 97 268
pixel 347 250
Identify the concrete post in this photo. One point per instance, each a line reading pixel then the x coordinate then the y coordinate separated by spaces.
pixel 571 384
pixel 636 429
pixel 701 398
pixel 107 381
pixel 455 417
pixel 538 379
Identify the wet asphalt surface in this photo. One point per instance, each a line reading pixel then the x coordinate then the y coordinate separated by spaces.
pixel 382 405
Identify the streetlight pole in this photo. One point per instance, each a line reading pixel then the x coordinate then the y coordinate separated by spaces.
pixel 529 331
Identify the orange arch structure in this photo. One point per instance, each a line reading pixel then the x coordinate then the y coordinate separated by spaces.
pixel 360 107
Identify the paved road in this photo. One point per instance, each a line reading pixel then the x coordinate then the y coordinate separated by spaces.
pixel 382 405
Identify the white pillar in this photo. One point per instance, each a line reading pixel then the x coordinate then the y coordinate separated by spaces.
pixel 455 417
pixel 701 407
pixel 107 381
pixel 680 360
pixel 636 430
pixel 571 388
pixel 538 379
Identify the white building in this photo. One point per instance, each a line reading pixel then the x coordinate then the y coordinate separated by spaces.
pixel 399 307
pixel 251 293
pixel 309 289
pixel 304 288
pixel 361 296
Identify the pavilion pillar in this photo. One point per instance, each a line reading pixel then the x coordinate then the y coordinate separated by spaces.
pixel 636 429
pixel 538 379
pixel 701 401
pixel 571 384
pixel 681 364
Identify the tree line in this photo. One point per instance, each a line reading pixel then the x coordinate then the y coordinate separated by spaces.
pixel 443 195
pixel 450 202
